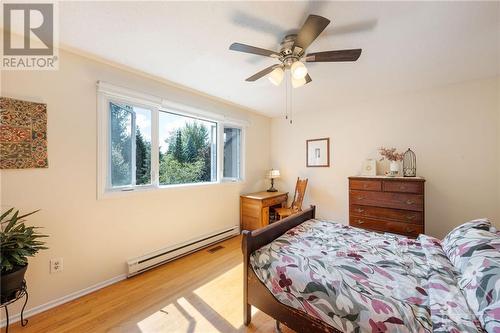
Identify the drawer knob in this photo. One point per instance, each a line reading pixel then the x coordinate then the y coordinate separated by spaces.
pixel 360 221
pixel 410 230
pixel 365 185
pixel 411 217
pixel 360 197
pixel 402 187
pixel 360 210
pixel 410 202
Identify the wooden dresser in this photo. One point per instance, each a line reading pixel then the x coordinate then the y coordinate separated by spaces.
pixel 256 209
pixel 387 204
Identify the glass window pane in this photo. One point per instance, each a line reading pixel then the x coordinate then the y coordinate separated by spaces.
pixel 232 145
pixel 142 146
pixel 130 149
pixel 121 144
pixel 188 152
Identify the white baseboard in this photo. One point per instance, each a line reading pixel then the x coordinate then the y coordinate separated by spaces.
pixel 62 300
pixel 153 259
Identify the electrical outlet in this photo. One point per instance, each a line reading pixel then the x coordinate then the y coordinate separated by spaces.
pixel 56 265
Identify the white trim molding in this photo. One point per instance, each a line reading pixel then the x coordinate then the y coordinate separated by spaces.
pixel 49 305
pixel 142 98
pixel 128 94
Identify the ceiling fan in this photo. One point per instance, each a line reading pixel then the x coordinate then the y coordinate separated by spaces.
pixel 292 54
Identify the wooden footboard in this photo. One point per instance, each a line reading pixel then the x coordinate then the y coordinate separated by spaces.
pixel 257 294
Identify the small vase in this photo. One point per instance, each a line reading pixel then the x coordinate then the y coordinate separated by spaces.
pixel 393 168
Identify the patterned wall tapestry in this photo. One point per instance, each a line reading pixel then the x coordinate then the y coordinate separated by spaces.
pixel 23 134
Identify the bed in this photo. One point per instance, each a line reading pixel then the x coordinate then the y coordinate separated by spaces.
pixel 319 276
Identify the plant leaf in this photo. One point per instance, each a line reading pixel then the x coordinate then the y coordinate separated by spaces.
pixel 28 214
pixel 18 241
pixel 4 215
pixel 12 222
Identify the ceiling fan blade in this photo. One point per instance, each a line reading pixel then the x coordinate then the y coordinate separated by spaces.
pixel 308 79
pixel 311 29
pixel 253 50
pixel 257 23
pixel 262 73
pixel 333 56
pixel 350 28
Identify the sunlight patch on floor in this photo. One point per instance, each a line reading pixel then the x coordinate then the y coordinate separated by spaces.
pixel 179 316
pixel 207 308
pixel 214 294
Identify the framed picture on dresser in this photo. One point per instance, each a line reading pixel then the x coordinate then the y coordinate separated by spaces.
pixel 318 153
pixel 369 167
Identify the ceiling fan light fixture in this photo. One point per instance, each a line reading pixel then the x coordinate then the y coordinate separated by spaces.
pixel 299 70
pixel 298 82
pixel 276 76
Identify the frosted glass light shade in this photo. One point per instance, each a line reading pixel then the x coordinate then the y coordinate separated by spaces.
pixel 276 76
pixel 299 70
pixel 273 174
pixel 298 82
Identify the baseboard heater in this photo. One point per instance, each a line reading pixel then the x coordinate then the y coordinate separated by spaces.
pixel 159 257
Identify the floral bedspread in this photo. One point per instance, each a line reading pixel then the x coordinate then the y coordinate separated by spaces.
pixel 359 281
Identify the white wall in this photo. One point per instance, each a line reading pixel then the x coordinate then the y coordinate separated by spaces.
pixel 453 130
pixel 498 154
pixel 95 238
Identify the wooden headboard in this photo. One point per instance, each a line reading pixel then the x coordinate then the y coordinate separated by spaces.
pixel 253 240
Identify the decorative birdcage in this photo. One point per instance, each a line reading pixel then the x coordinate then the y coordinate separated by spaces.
pixel 409 164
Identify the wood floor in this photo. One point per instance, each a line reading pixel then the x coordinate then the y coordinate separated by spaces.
pixel 202 292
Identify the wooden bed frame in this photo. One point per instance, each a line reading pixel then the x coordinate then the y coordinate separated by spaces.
pixel 256 293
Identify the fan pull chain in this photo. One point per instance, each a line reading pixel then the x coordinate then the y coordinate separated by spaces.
pixel 291 102
pixel 286 96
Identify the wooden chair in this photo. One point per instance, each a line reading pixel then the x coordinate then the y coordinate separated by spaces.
pixel 298 198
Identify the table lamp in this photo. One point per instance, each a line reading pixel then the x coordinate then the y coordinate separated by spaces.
pixel 272 174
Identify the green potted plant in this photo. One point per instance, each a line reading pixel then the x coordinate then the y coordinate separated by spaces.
pixel 17 243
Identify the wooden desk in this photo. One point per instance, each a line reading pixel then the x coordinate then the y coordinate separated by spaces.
pixel 255 208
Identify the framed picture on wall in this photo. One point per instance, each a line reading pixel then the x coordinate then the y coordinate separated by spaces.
pixel 318 152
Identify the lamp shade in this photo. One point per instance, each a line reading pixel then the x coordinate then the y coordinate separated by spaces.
pixel 299 70
pixel 298 82
pixel 276 76
pixel 273 173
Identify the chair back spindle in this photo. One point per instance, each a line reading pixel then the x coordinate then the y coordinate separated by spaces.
pixel 298 197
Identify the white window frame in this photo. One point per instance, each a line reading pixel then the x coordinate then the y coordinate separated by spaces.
pixel 242 155
pixel 133 153
pixel 107 93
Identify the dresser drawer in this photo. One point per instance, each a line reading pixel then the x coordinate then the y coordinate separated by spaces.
pixel 404 201
pixel 274 201
pixel 406 229
pixel 404 187
pixel 405 216
pixel 368 185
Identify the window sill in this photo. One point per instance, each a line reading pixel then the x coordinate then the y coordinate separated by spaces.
pixel 117 193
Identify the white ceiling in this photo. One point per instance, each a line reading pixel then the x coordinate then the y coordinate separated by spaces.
pixel 406 45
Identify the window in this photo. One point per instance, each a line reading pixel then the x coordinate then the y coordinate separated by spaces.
pixel 130 145
pixel 188 149
pixel 145 142
pixel 232 149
